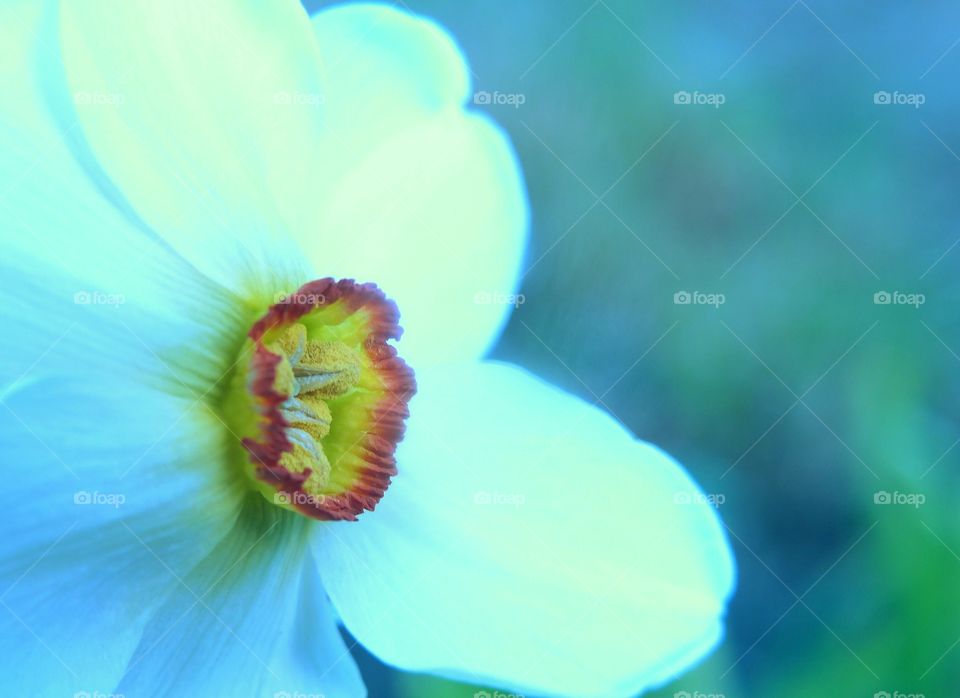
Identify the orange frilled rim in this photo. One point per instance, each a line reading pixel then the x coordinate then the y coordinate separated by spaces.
pixel 364 463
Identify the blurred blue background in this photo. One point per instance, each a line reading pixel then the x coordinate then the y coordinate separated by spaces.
pixel 791 170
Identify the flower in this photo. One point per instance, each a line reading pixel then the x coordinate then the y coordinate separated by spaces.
pixel 169 170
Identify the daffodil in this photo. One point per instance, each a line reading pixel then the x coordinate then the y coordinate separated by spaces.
pixel 205 470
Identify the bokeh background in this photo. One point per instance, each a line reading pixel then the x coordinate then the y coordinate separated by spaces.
pixel 823 418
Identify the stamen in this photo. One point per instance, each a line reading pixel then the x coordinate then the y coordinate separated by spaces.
pixel 331 396
pixel 309 414
pixel 328 368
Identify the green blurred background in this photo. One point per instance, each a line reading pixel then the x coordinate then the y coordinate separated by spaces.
pixel 800 397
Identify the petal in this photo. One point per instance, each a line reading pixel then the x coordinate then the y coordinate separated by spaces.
pixel 399 67
pixel 110 344
pixel 530 542
pixel 114 461
pixel 96 488
pixel 178 107
pixel 249 620
pixel 409 190
pixel 59 204
pixel 108 451
pixel 110 456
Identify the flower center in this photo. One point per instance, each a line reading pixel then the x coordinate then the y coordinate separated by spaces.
pixel 323 399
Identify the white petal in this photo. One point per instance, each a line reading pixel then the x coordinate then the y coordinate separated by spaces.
pixel 102 481
pixel 408 189
pixel 110 457
pixel 178 107
pixel 108 340
pixel 250 620
pixel 530 542
pixel 112 343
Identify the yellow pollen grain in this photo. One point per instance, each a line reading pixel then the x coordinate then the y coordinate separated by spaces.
pixel 311 372
pixel 322 412
pixel 333 358
pixel 300 459
pixel 292 339
pixel 284 381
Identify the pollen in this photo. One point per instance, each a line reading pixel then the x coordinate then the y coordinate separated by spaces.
pixel 310 373
pixel 326 396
